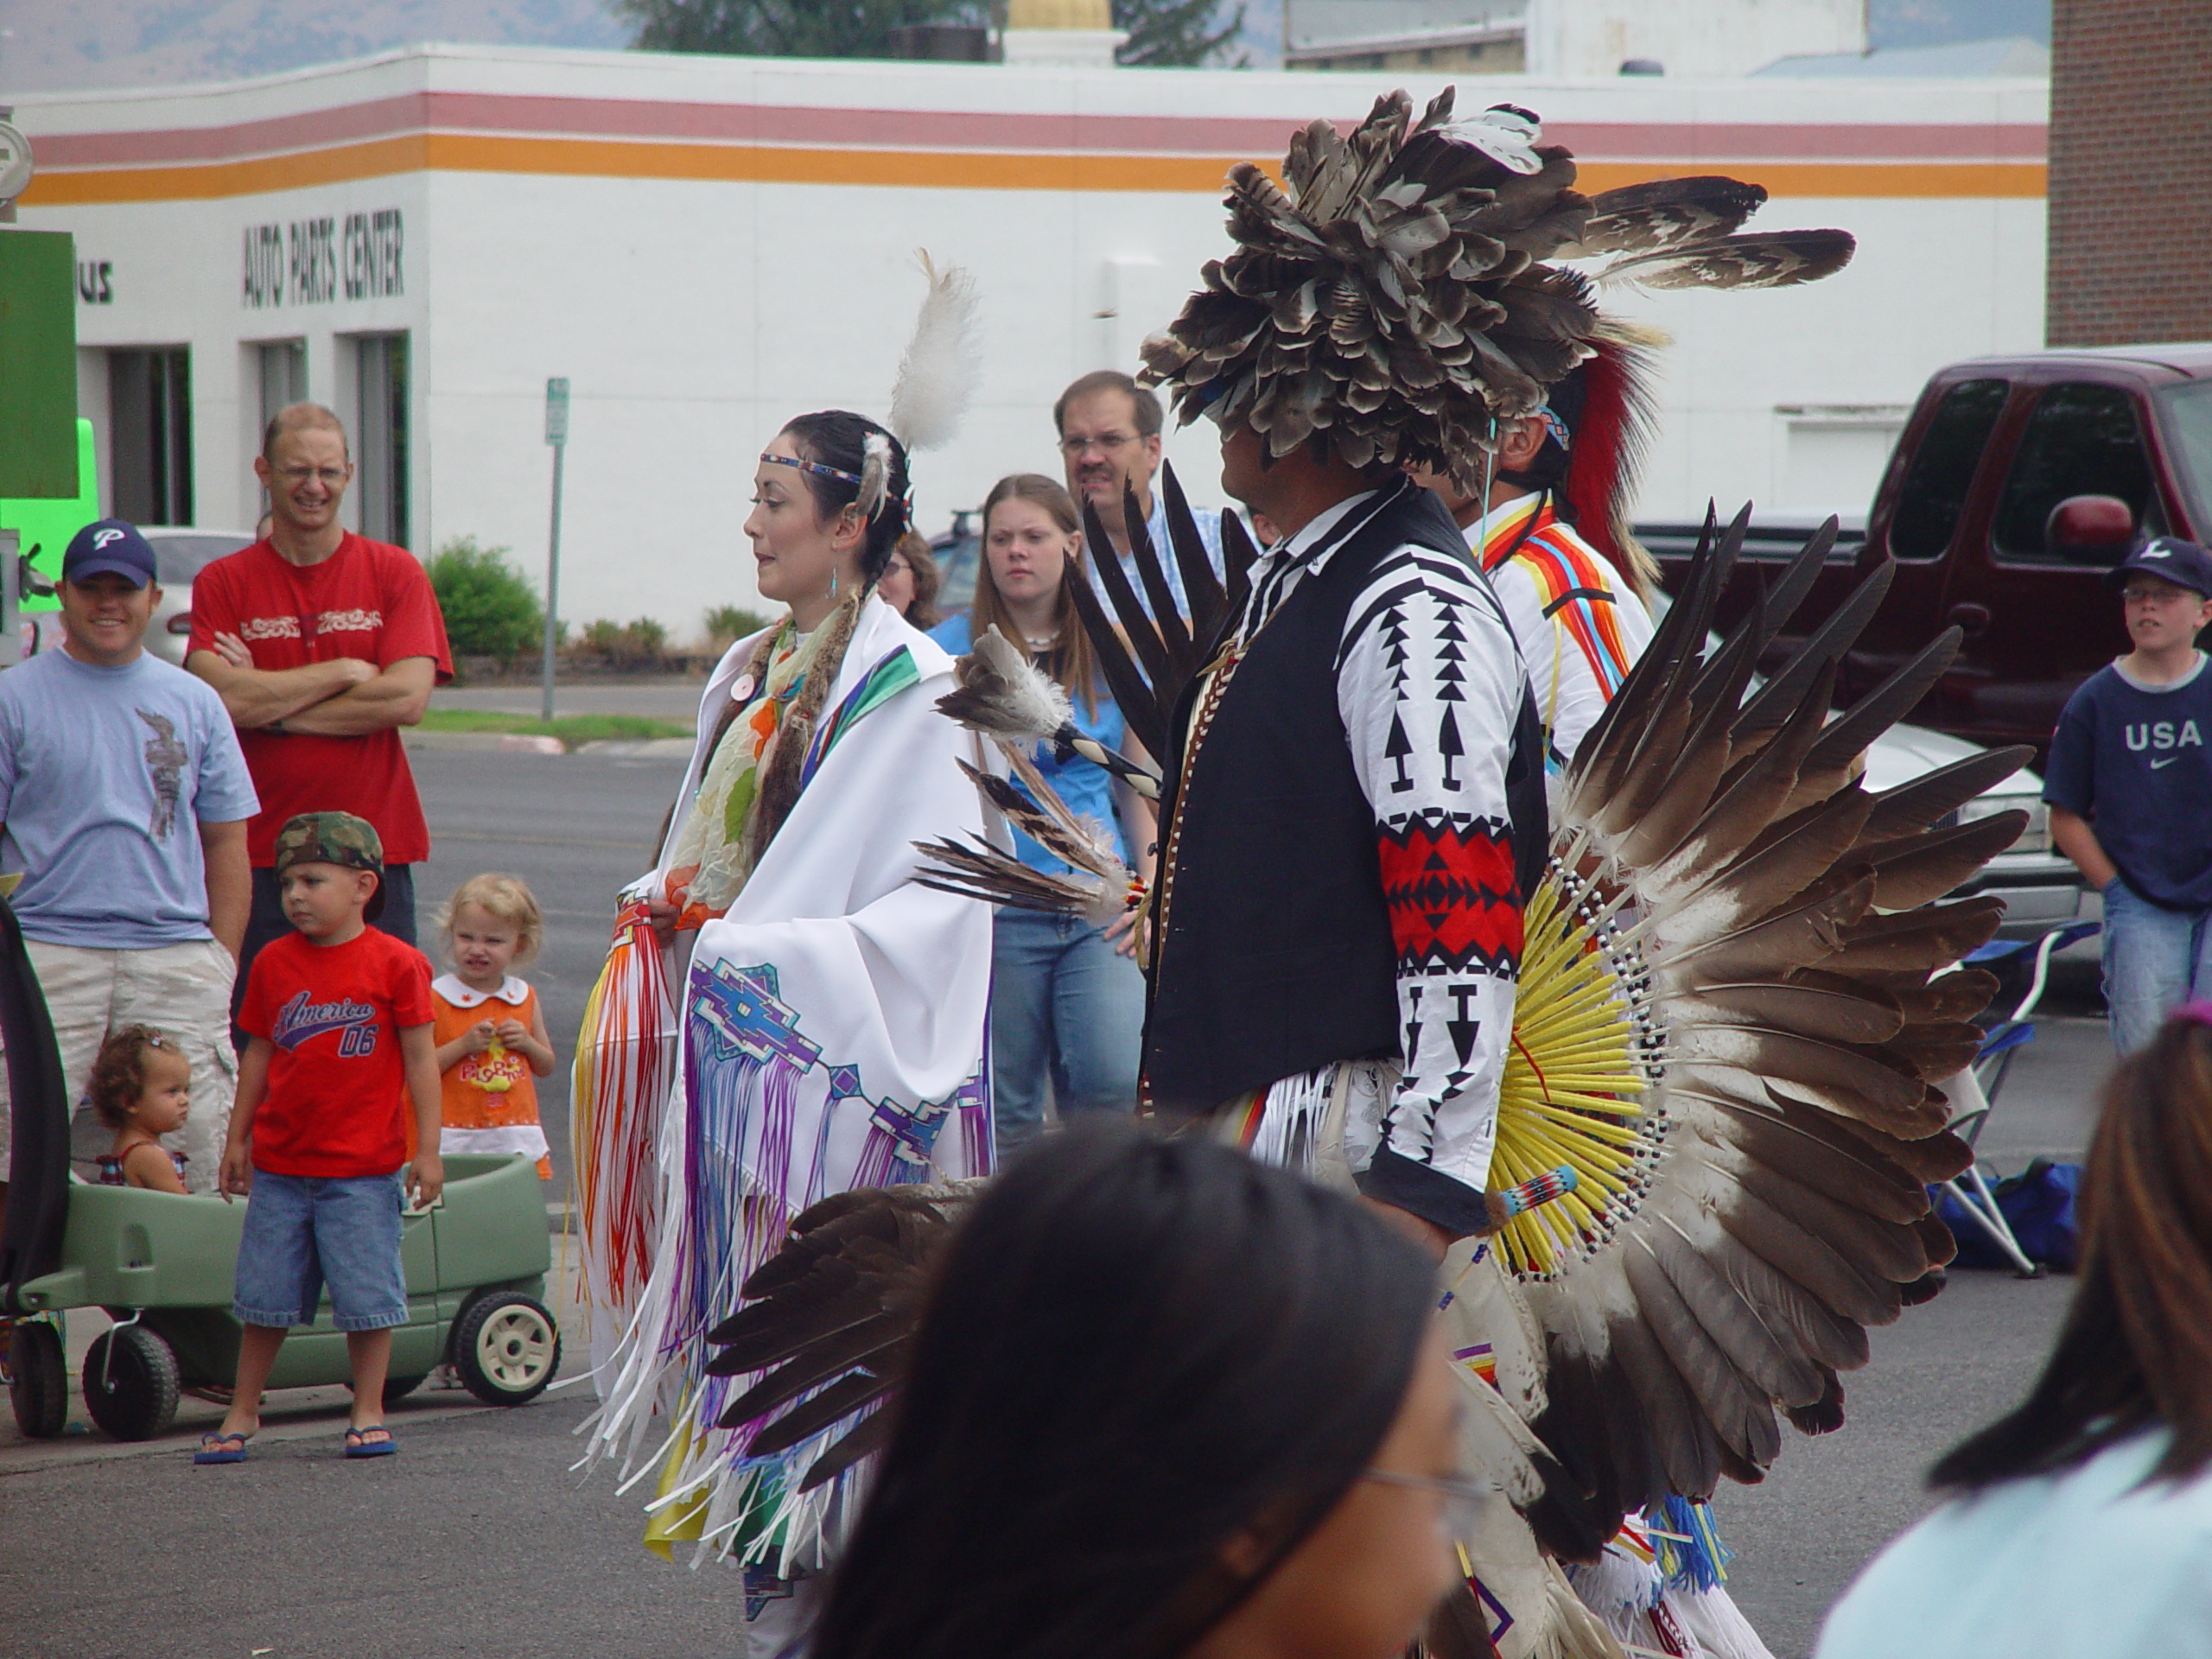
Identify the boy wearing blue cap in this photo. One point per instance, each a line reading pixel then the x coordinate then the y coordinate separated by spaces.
pixel 125 799
pixel 2130 789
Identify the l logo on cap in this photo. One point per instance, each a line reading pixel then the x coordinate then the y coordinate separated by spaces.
pixel 101 539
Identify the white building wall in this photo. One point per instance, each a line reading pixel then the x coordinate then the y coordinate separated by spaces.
pixel 1693 39
pixel 692 316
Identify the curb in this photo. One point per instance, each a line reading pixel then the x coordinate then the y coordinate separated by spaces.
pixel 487 743
pixel 639 749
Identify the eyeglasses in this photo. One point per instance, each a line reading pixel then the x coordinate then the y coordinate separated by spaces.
pixel 2150 596
pixel 328 475
pixel 1464 1496
pixel 1111 443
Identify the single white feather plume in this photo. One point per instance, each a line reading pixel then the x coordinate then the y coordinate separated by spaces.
pixel 937 376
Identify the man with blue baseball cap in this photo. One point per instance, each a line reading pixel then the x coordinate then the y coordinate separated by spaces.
pixel 2130 789
pixel 124 802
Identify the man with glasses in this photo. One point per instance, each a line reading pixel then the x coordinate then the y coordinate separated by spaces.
pixel 322 645
pixel 1109 439
pixel 2130 788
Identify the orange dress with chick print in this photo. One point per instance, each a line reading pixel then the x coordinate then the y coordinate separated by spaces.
pixel 489 1099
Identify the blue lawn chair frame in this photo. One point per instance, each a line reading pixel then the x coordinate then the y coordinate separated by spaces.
pixel 1980 1084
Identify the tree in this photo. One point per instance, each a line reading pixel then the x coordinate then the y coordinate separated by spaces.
pixel 784 29
pixel 1176 33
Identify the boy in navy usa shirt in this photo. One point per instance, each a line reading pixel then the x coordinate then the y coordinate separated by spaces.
pixel 2130 789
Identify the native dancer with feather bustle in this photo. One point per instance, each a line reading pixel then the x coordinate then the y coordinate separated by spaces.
pixel 1656 1081
pixel 828 1029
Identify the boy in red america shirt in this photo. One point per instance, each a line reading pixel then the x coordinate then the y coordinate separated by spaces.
pixel 322 644
pixel 338 1019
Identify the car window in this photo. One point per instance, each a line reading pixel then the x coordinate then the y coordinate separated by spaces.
pixel 180 559
pixel 2186 413
pixel 1934 491
pixel 2081 440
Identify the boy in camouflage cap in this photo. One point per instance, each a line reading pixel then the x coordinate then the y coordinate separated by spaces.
pixel 336 838
pixel 338 1019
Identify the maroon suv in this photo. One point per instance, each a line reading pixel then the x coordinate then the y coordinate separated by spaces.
pixel 2015 485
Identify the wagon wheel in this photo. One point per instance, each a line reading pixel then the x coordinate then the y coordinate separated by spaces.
pixel 38 1380
pixel 506 1348
pixel 131 1382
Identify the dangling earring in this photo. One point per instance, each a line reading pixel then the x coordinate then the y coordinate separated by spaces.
pixel 833 581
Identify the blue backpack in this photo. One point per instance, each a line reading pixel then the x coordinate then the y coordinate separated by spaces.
pixel 2037 1204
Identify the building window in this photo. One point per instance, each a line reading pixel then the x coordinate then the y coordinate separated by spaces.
pixel 381 458
pixel 149 434
pixel 284 377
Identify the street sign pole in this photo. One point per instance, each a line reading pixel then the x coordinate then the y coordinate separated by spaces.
pixel 557 434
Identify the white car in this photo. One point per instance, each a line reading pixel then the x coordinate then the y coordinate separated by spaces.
pixel 180 553
pixel 2039 885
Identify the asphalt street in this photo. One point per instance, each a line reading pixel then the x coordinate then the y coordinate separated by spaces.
pixel 478 1539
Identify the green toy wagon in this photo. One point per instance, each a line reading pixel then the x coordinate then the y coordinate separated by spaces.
pixel 161 1264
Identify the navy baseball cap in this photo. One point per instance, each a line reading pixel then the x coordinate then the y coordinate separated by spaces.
pixel 109 547
pixel 2183 563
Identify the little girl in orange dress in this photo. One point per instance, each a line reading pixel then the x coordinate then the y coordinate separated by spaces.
pixel 488 1028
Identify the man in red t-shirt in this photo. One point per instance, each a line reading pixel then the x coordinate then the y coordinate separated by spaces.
pixel 322 645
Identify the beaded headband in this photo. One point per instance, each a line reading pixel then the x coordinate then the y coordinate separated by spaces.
pixel 814 466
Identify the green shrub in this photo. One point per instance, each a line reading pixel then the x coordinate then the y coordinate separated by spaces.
pixel 491 609
pixel 727 624
pixel 639 644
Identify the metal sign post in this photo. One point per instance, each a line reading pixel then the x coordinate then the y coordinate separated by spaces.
pixel 557 434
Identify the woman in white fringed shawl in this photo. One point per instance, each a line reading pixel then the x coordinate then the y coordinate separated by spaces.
pixel 832 1010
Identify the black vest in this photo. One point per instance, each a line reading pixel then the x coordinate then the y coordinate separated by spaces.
pixel 1277 958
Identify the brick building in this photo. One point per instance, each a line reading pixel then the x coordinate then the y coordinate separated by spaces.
pixel 2131 172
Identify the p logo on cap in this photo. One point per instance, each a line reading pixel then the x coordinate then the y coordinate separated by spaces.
pixel 109 547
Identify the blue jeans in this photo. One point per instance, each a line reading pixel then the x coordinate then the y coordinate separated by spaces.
pixel 303 1233
pixel 1066 1010
pixel 2155 960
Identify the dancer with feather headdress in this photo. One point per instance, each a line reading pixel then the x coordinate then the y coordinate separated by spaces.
pixel 829 1015
pixel 1652 1076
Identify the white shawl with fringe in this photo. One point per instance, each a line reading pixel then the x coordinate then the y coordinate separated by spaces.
pixel 832 1037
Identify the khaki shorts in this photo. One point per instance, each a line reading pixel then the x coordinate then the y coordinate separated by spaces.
pixel 183 991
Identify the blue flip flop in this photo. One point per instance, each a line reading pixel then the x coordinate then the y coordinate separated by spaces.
pixel 221 1448
pixel 358 1445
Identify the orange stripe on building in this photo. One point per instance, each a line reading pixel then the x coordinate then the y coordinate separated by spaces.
pixel 913 169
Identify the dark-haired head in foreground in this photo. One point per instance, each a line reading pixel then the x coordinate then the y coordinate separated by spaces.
pixel 1151 1378
pixel 2135 1349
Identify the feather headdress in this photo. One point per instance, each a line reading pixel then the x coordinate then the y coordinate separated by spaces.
pixel 1401 292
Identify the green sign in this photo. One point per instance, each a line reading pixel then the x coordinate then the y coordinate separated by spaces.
pixel 47 523
pixel 38 363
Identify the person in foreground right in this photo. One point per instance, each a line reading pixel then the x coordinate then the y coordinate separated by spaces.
pixel 2130 789
pixel 1166 1400
pixel 2081 1522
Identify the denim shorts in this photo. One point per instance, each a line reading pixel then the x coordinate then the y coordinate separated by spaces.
pixel 304 1232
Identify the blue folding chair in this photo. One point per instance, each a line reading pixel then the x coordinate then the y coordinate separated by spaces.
pixel 1976 1087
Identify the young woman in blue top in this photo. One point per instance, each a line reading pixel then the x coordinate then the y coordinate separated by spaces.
pixel 1067 1000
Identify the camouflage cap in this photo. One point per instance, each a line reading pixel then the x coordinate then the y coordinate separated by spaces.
pixel 333 838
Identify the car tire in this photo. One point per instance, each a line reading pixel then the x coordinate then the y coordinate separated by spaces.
pixel 506 1347
pixel 131 1382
